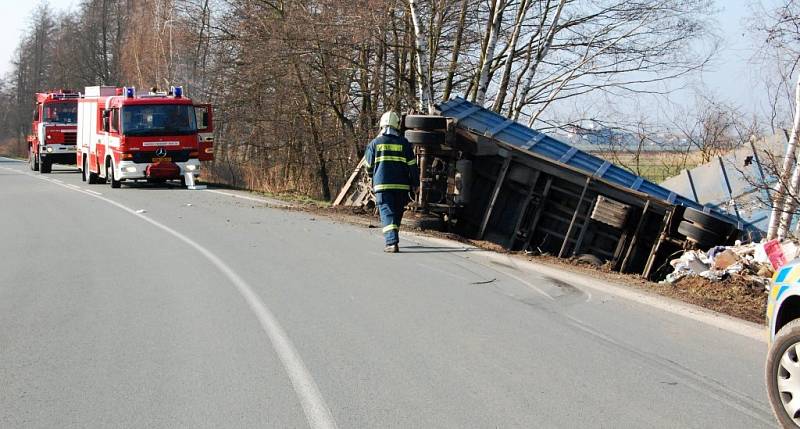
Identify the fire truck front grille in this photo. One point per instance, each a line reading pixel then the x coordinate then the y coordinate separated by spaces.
pixel 175 155
pixel 70 138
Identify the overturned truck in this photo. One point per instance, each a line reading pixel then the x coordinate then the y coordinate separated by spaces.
pixel 490 178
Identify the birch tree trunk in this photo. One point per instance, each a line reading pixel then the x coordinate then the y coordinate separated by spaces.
pixel 501 91
pixel 788 161
pixel 485 76
pixel 540 53
pixel 448 86
pixel 472 91
pixel 421 46
pixel 787 197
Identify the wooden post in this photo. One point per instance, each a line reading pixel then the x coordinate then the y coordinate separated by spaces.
pixel 349 184
pixel 574 217
pixel 538 214
pixel 501 177
pixel 635 238
pixel 524 206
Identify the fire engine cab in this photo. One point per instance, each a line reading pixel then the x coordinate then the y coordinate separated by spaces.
pixel 52 138
pixel 126 136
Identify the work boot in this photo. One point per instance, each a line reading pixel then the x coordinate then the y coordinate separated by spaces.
pixel 392 248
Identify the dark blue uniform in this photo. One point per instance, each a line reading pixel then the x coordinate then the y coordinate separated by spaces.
pixel 391 163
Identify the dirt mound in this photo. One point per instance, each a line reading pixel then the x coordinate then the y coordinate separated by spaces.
pixel 735 296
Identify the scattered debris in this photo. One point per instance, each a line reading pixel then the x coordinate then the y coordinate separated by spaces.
pixel 484 282
pixel 750 264
pixel 140 211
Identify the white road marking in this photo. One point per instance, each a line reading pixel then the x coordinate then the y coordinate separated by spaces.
pixel 316 410
pixel 90 191
pixel 57 181
pixel 245 197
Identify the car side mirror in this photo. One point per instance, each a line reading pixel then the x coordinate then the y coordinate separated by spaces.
pixel 105 124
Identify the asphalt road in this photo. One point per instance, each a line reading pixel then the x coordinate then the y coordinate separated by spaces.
pixel 163 307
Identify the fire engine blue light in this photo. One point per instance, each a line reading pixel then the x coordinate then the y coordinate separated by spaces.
pixel 177 91
pixel 130 91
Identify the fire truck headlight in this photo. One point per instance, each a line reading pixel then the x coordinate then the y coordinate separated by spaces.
pixel 130 169
pixel 49 149
pixel 191 167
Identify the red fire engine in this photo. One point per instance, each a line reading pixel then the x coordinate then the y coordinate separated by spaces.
pixel 124 136
pixel 52 138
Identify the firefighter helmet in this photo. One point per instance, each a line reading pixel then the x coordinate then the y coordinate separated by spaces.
pixel 390 119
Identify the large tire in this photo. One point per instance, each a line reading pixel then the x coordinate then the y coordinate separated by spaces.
pixel 45 166
pixel 115 184
pixel 426 122
pixel 425 137
pixel 83 170
pixel 699 235
pixel 786 344
pixel 91 178
pixel 708 222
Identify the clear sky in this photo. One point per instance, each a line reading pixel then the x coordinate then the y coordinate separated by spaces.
pixel 730 77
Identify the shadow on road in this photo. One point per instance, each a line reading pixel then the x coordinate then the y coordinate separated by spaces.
pixel 426 249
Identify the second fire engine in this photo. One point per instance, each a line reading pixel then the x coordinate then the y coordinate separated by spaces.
pixel 52 138
pixel 124 136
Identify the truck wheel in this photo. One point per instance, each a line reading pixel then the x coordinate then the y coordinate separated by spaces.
pixel 110 176
pixel 83 170
pixel 91 178
pixel 700 235
pixel 426 122
pixel 708 222
pixel 45 166
pixel 425 137
pixel 783 375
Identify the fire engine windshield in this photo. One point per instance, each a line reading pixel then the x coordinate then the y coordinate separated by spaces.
pixel 62 113
pixel 158 119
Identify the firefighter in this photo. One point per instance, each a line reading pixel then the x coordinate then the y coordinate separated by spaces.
pixel 392 165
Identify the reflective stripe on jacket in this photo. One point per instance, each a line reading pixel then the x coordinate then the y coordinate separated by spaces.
pixel 391 163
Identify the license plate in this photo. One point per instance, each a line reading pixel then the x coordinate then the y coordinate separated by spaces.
pixel 165 159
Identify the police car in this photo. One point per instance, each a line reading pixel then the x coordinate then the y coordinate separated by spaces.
pixel 783 359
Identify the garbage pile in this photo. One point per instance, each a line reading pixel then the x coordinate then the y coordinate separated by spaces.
pixel 754 262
